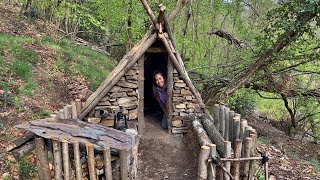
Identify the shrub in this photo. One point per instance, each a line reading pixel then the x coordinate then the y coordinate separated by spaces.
pixel 242 101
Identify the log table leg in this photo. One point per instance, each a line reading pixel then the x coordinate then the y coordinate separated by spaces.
pixel 42 159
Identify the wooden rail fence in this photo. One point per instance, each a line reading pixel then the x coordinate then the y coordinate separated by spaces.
pixel 237 162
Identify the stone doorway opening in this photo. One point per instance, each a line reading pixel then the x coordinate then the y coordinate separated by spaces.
pixel 153 61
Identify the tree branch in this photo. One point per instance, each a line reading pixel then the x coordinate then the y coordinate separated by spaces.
pixel 263 97
pixel 225 35
pixel 309 115
pixel 150 14
pixel 178 8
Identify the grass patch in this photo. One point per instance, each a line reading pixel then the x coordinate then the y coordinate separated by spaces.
pixel 22 69
pixel 21 64
pixel 262 140
pixel 316 164
pixel 72 59
pixel 29 88
pixel 82 60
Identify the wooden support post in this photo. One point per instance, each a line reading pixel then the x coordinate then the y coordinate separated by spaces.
pixel 251 167
pixel 237 154
pixel 247 131
pixel 91 161
pixel 222 120
pixel 246 153
pixel 216 117
pixel 212 166
pixel 65 159
pixel 78 106
pixel 266 171
pixel 170 94
pixel 107 163
pixel 67 111
pixel 243 124
pixel 141 123
pixel 236 127
pixel 54 116
pixel 77 163
pixel 124 164
pixel 61 114
pixel 57 160
pixel 231 124
pixel 74 114
pixel 202 162
pixel 227 122
pixel 227 165
pixel 42 159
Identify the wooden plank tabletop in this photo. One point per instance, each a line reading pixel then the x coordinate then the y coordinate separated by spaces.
pixel 75 130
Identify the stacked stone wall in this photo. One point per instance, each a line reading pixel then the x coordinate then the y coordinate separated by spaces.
pixel 184 103
pixel 124 95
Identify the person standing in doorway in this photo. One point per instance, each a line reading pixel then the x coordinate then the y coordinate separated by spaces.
pixel 161 95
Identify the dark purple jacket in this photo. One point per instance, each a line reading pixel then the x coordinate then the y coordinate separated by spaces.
pixel 161 96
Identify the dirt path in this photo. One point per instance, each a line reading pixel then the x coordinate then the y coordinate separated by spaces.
pixel 164 156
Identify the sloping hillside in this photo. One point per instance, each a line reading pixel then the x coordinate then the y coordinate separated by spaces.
pixel 40 71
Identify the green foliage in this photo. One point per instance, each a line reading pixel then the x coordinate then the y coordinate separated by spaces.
pixel 260 175
pixel 316 164
pixel 243 101
pixel 26 170
pixel 16 104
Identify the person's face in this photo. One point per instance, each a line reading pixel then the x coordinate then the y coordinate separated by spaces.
pixel 159 80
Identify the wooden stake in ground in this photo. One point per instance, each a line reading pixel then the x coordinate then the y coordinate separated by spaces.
pixel 77 163
pixel 91 161
pixel 237 154
pixel 227 165
pixel 202 163
pixel 57 160
pixel 123 164
pixel 42 159
pixel 246 150
pixel 212 166
pixel 65 155
pixel 107 163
